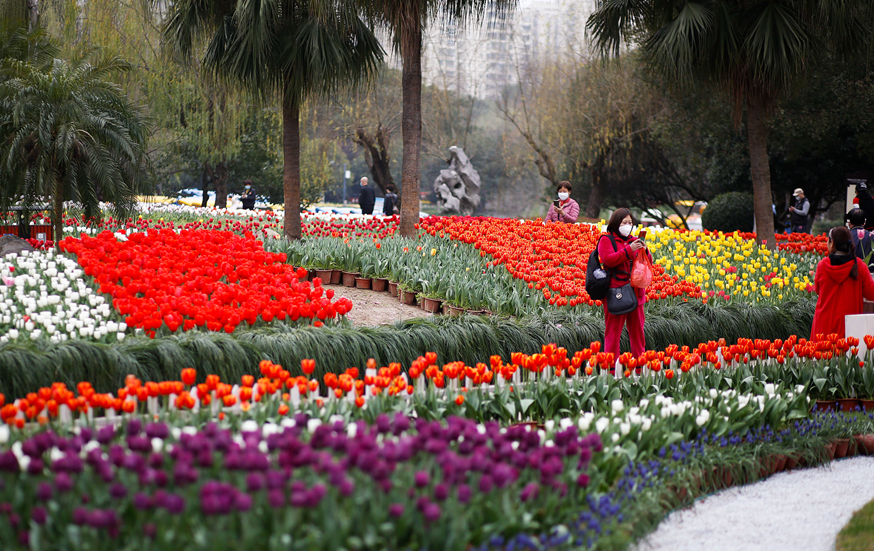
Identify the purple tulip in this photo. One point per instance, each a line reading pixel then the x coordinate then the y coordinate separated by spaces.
pixel 396 509
pixel 63 482
pixel 530 491
pixel 583 480
pixel 463 493
pixel 142 501
pixel 422 478
pixel 157 430
pixel 441 492
pixel 485 484
pixel 24 539
pixel 105 435
pixel 44 491
pixel 134 426
pixel 9 463
pixel 35 466
pixel 80 516
pixel 243 502
pixel 118 491
pixel 431 512
pixel 254 482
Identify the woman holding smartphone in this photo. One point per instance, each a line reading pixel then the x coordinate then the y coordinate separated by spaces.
pixel 617 250
pixel 565 209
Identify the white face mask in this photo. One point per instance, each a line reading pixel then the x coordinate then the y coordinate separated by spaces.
pixel 248 187
pixel 563 196
pixel 625 230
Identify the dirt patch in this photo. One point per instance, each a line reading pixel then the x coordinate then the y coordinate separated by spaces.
pixel 370 308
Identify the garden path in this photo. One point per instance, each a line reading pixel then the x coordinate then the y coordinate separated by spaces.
pixel 802 509
pixel 370 308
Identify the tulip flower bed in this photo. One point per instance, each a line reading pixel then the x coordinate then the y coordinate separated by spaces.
pixel 262 478
pixel 211 279
pixel 552 258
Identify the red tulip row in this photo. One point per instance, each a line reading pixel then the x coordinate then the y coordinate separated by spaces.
pixel 212 279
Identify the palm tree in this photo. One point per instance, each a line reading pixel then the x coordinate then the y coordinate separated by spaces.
pixel 754 49
pixel 407 19
pixel 67 131
pixel 294 48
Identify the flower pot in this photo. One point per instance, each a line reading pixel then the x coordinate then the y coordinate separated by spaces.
pixel 841 448
pixel 867 405
pixel 791 462
pixel 336 277
pixel 431 305
pixel 362 282
pixel 865 443
pixel 379 284
pixel 408 297
pixel 349 279
pixel 825 405
pixel 781 463
pixel 848 404
pixel 325 276
pixel 451 310
pixel 393 288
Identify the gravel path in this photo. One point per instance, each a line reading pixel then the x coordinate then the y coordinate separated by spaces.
pixel 370 308
pixel 799 510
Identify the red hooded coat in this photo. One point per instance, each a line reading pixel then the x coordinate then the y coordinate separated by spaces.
pixel 839 295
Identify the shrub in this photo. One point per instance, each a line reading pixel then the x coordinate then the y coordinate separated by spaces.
pixel 729 212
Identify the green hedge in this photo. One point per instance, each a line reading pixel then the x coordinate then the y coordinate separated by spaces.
pixel 24 368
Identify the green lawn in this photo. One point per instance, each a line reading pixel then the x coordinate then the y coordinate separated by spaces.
pixel 858 534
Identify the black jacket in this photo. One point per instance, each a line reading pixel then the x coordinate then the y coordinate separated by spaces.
pixel 388 205
pixel 367 196
pixel 799 215
pixel 866 203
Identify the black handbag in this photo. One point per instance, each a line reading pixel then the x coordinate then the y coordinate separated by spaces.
pixel 621 300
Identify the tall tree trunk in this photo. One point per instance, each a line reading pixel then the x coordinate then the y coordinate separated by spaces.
pixel 596 195
pixel 757 134
pixel 291 167
pixel 411 125
pixel 58 211
pixel 221 185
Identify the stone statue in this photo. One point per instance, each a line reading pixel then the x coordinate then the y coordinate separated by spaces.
pixel 457 187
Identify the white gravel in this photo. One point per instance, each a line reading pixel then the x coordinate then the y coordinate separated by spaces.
pixel 798 510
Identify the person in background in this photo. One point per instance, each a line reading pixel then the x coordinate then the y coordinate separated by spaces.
pixel 367 198
pixel 618 262
pixel 842 280
pixel 391 199
pixel 866 203
pixel 863 241
pixel 248 196
pixel 567 209
pixel 798 212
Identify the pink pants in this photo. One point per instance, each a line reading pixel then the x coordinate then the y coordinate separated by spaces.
pixel 613 331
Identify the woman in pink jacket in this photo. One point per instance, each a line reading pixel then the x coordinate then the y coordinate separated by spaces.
pixel 567 210
pixel 618 262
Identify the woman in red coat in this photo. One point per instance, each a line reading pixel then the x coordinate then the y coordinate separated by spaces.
pixel 619 262
pixel 841 282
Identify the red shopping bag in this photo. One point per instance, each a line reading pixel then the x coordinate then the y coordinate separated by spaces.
pixel 641 272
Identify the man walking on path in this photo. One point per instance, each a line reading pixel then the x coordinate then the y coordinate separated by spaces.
pixel 367 198
pixel 798 212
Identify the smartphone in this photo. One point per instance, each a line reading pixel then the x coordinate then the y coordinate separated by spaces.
pixel 556 203
pixel 642 234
